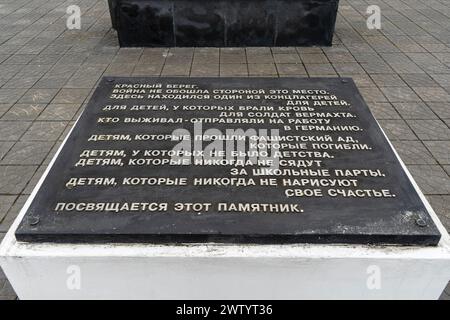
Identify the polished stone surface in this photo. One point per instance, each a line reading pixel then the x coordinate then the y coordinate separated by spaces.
pixel 224 23
pixel 363 196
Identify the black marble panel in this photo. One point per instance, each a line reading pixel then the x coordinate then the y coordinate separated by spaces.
pixel 337 179
pixel 112 12
pixel 301 23
pixel 188 23
pixel 145 23
pixel 251 23
pixel 199 23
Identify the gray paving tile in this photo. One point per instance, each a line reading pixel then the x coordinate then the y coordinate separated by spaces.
pixel 405 43
pixel 66 131
pixel 348 68
pixel 372 94
pixel 38 96
pixel 291 69
pixel 441 79
pixel 44 131
pixel 52 152
pixel 86 76
pixel 151 59
pixel 430 129
pixel 340 57
pixel 233 58
pixel 447 169
pixel 260 58
pixel 419 80
pixel 314 58
pixel 318 69
pixel 13 130
pixel 93 59
pixel 8 95
pixel 432 179
pixel 147 70
pixel 19 59
pixel 399 94
pixel 361 80
pixel 4 107
pixel 123 70
pixel 257 51
pixel 286 58
pixel 178 60
pixel 310 49
pixel 4 148
pixel 68 95
pixel 13 179
pixel 413 152
pixel 388 80
pixel 428 62
pixel 441 205
pixel 440 150
pixel 176 69
pixel 414 110
pixel 50 82
pixel 401 63
pixel 57 111
pixel 233 69
pixel 265 69
pixel 432 94
pixel 6 202
pixel 293 50
pixel 27 153
pixel 24 112
pixel 205 70
pixel 7 291
pixel 128 55
pixel 383 110
pixel 443 57
pixel 4 57
pixel 442 109
pixel 2 274
pixel 381 44
pixel 397 130
pixel 46 58
pixel 445 296
pixel 34 180
pixel 12 213
pixel 189 51
pixel 162 51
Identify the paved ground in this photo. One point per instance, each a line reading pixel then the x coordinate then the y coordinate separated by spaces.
pixel 48 72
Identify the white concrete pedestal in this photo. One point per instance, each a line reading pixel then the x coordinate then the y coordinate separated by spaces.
pixel 214 271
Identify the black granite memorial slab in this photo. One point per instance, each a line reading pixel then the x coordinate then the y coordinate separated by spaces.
pixel 235 160
pixel 194 23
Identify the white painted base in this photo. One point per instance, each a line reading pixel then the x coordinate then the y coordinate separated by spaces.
pixel 219 271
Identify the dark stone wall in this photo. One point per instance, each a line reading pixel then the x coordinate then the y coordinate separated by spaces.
pixel 222 23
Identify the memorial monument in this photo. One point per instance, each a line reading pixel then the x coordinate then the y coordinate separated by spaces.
pixel 250 186
pixel 223 23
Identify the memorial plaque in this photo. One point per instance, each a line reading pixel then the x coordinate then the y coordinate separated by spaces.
pixel 236 160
